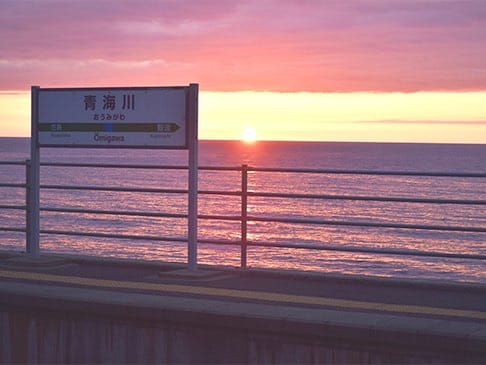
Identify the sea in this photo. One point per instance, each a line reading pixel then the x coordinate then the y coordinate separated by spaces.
pixel 455 158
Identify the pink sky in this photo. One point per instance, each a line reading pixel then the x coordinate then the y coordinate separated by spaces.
pixel 319 46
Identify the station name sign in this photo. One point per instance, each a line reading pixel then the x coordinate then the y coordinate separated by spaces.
pixel 138 117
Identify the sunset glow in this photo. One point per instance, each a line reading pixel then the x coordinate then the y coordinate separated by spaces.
pixel 393 117
pixel 368 70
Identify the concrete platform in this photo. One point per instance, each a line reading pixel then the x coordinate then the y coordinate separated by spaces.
pixel 39 262
pixel 299 313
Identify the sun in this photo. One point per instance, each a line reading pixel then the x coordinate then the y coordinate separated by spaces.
pixel 249 135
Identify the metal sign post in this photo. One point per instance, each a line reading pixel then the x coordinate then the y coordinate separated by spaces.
pixel 131 117
pixel 33 233
pixel 193 176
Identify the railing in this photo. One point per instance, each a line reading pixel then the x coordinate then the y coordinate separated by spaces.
pixel 244 217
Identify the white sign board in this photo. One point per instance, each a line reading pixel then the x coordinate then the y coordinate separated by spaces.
pixel 151 117
pixel 134 117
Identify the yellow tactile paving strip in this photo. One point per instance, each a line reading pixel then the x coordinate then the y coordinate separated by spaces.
pixel 244 294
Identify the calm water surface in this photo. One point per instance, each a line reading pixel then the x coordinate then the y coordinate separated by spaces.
pixel 369 156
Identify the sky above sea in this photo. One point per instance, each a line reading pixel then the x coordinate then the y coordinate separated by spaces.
pixel 357 70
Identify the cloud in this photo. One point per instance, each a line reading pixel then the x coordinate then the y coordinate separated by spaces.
pixel 310 45
pixel 427 122
pixel 91 72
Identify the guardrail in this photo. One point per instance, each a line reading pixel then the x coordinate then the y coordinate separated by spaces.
pixel 244 217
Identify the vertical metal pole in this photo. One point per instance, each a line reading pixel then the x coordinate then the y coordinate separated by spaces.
pixel 34 201
pixel 28 184
pixel 244 205
pixel 192 126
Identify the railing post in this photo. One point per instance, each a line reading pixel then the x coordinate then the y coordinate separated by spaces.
pixel 31 212
pixel 244 211
pixel 28 208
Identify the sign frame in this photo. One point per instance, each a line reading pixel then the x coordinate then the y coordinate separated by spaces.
pixel 191 145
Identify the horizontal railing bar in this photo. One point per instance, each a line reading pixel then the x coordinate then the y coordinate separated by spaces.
pixel 262 244
pixel 262 219
pixel 367 198
pixel 260 169
pixel 115 188
pixel 114 212
pixel 135 213
pixel 12 185
pixel 12 162
pixel 355 249
pixel 221 192
pixel 270 219
pixel 368 172
pixel 367 224
pixel 111 165
pixel 220 217
pixel 138 190
pixel 265 219
pixel 112 235
pixel 21 207
pixel 12 229
pixel 139 166
pixel 261 194
pixel 270 195
pixel 220 168
pixel 219 242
